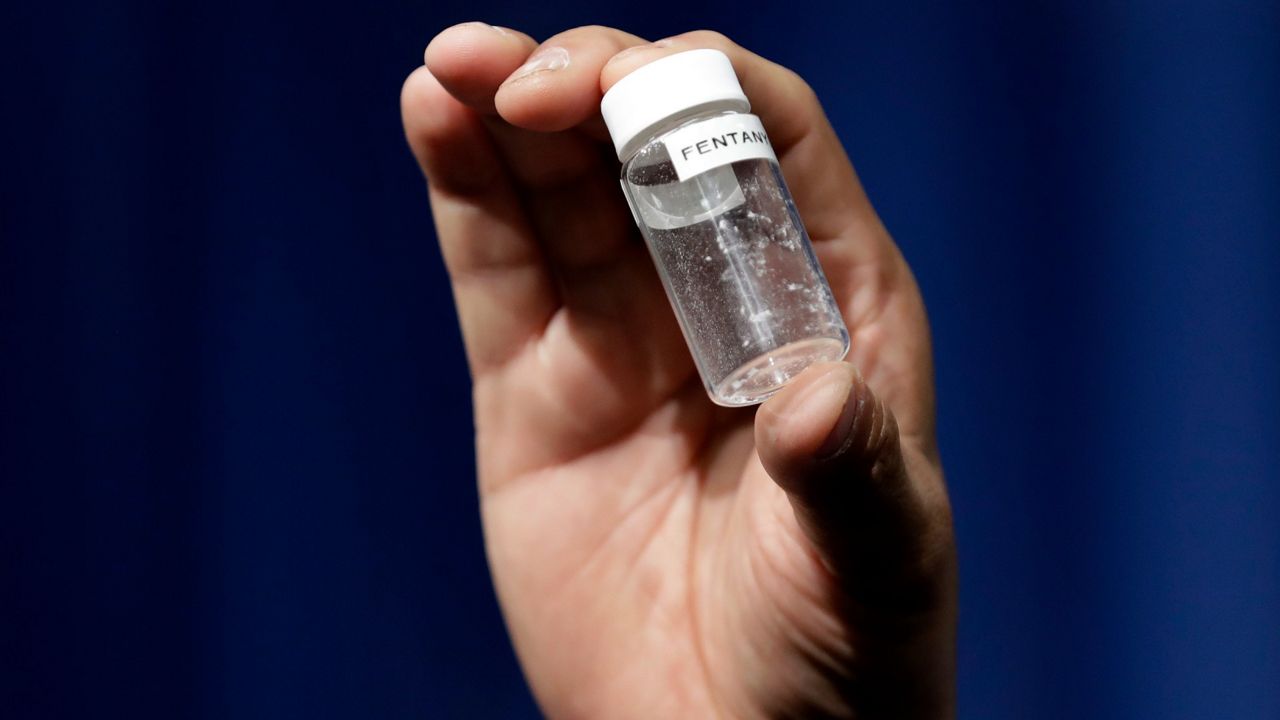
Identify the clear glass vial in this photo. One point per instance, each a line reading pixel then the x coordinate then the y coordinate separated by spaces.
pixel 704 187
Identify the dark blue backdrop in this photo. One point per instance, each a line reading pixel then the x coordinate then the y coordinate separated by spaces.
pixel 235 475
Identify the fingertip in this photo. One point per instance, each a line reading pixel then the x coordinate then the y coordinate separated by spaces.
pixel 558 86
pixel 631 59
pixel 546 93
pixel 458 46
pixel 472 59
pixel 807 421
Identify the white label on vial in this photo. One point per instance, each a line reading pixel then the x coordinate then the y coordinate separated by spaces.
pixel 717 141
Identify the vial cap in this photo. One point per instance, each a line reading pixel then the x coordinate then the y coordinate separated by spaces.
pixel 666 86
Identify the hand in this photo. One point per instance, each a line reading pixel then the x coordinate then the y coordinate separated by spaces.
pixel 657 556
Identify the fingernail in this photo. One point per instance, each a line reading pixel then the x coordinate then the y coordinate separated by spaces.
pixel 545 59
pixel 499 29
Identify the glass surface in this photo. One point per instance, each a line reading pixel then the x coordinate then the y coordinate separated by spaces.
pixel 739 271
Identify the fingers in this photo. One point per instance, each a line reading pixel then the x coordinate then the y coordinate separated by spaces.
pixel 521 95
pixel 473 58
pixel 559 86
pixel 472 61
pixel 569 189
pixel 834 448
pixel 527 92
pixel 502 284
pixel 515 207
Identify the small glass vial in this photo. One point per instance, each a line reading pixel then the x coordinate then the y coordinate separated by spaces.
pixel 704 187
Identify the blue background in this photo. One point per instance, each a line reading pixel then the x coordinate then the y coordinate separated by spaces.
pixel 235 467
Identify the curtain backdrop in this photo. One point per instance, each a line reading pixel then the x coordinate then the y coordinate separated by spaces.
pixel 236 477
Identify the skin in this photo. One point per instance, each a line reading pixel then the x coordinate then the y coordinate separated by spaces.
pixel 657 556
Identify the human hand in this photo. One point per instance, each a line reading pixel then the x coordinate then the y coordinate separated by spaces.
pixel 657 556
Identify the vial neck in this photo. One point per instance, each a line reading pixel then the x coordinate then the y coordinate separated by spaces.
pixel 677 120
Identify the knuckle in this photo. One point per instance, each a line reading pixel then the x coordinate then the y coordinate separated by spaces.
pixel 803 89
pixel 800 93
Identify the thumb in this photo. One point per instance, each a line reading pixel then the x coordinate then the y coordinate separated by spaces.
pixel 833 446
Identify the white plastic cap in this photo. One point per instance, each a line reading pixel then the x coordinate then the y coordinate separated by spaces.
pixel 664 87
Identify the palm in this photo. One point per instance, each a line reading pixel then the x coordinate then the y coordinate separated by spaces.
pixel 637 533
pixel 645 561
